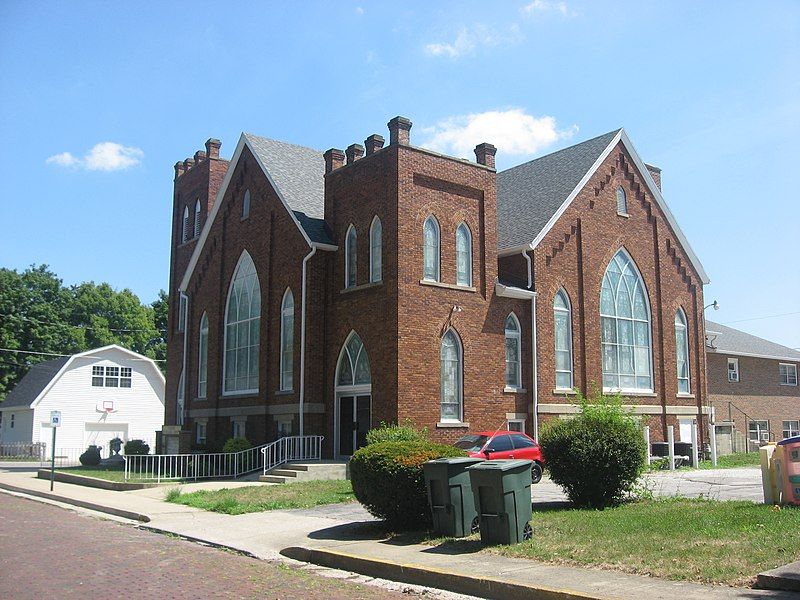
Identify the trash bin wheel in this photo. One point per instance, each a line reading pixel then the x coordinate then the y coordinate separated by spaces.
pixel 475 526
pixel 527 532
pixel 536 473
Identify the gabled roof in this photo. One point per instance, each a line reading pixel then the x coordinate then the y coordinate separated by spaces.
pixel 532 196
pixel 36 379
pixel 41 376
pixel 296 173
pixel 727 340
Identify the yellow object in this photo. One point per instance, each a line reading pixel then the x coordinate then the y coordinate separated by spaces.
pixel 769 478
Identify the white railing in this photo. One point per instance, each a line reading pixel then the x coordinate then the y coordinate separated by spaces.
pixel 22 451
pixel 296 447
pixel 68 457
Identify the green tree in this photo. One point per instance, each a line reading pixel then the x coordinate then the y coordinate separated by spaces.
pixel 160 308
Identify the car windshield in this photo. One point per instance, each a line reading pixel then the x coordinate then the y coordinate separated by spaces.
pixel 471 443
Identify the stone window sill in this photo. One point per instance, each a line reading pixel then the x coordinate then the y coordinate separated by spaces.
pixel 284 392
pixel 631 393
pixel 363 286
pixel 514 390
pixel 447 286
pixel 564 392
pixel 451 425
pixel 690 396
pixel 623 215
pixel 247 394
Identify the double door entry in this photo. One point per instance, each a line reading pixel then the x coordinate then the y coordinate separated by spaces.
pixel 354 421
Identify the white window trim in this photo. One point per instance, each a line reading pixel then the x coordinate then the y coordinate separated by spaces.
pixel 202 361
pixel 517 336
pixel 201 425
pixel 466 228
pixel 790 428
pixel 438 256
pixel 240 423
pixel 790 367
pixel 284 385
pixel 347 250
pixel 246 199
pixel 372 275
pixel 759 430
pixel 521 423
pixel 459 383
pixel 182 310
pixel 568 311
pixel 185 231
pixel 685 325
pixel 735 371
pixel 624 199
pixel 226 392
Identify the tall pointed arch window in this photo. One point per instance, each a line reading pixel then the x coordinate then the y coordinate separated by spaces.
pixel 430 233
pixel 375 250
pixel 625 327
pixel 562 319
pixel 287 340
pixel 242 322
pixel 197 218
pixel 350 257
pixel 463 255
pixel 202 358
pixel 246 204
pixel 354 368
pixel 185 234
pixel 622 201
pixel 451 378
pixel 682 351
pixel 513 352
pixel 180 404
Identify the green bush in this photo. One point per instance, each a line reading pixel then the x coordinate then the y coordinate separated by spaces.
pixel 596 456
pixel 90 458
pixel 396 433
pixel 137 447
pixel 388 480
pixel 237 444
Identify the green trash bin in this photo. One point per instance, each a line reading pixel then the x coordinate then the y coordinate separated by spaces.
pixel 450 495
pixel 502 491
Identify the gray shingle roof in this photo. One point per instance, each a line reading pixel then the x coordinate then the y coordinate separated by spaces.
pixel 299 175
pixel 728 339
pixel 530 193
pixel 30 386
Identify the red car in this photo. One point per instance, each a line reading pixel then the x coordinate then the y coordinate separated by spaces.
pixel 493 445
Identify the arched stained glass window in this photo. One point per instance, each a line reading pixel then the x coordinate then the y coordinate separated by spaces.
pixel 513 352
pixel 246 204
pixel 350 257
pixel 682 351
pixel 463 255
pixel 287 340
pixel 242 322
pixel 562 317
pixel 451 378
pixel 375 250
pixel 185 235
pixel 431 249
pixel 202 358
pixel 622 201
pixel 353 368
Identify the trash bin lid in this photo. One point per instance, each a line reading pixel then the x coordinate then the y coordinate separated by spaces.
pixel 791 440
pixel 502 464
pixel 455 460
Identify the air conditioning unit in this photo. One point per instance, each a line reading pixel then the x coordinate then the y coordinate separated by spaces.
pixel 764 436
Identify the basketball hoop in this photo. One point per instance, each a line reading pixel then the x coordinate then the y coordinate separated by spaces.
pixel 106 406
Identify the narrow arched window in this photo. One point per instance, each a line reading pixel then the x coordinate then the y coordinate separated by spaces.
pixel 625 327
pixel 682 350
pixel 353 368
pixel 513 352
pixel 375 250
pixel 180 412
pixel 451 378
pixel 246 204
pixel 287 340
pixel 197 218
pixel 562 319
pixel 622 201
pixel 242 323
pixel 350 257
pixel 463 255
pixel 202 358
pixel 185 233
pixel 431 249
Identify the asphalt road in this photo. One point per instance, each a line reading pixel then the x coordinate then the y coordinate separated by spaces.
pixel 50 552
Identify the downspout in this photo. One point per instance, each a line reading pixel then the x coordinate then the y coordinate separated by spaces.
pixel 534 352
pixel 303 338
pixel 185 328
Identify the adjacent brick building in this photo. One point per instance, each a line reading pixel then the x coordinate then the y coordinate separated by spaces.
pixel 325 293
pixel 752 384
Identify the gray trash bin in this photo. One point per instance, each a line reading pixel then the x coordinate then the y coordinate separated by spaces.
pixel 450 495
pixel 502 491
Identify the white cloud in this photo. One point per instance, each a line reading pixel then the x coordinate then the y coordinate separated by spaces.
pixel 359 10
pixel 468 39
pixel 512 131
pixel 105 156
pixel 541 7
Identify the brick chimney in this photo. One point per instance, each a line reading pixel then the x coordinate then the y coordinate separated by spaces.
pixel 374 143
pixel 354 152
pixel 334 158
pixel 399 131
pixel 484 154
pixel 212 147
pixel 655 173
pixel 188 164
pixel 179 169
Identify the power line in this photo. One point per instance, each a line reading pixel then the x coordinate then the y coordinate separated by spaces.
pixel 55 354
pixel 32 320
pixel 764 317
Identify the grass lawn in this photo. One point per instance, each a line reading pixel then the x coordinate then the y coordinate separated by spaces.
pixel 696 540
pixel 730 461
pixel 237 501
pixel 111 474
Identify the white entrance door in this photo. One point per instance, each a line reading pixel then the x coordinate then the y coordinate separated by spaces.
pixel 686 429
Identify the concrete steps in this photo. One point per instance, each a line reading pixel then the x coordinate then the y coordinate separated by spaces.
pixel 306 471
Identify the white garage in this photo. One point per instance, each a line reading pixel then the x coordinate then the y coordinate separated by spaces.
pixel 102 394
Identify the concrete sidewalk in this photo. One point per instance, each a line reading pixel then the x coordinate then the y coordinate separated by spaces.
pixel 346 537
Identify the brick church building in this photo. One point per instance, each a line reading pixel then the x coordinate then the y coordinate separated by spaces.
pixel 325 293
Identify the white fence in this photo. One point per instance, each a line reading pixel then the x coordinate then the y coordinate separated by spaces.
pixel 296 447
pixel 68 457
pixel 22 451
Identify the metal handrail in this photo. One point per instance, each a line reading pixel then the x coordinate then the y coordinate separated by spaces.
pixel 296 447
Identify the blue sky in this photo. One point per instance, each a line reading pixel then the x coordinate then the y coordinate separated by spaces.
pixel 100 99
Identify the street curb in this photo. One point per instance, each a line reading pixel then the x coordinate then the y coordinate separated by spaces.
pixel 117 512
pixel 482 587
pixel 779 579
pixel 94 482
pixel 201 541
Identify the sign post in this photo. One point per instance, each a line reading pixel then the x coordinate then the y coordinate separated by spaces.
pixel 55 422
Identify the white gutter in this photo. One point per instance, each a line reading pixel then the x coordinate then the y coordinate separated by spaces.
pixel 530 269
pixel 303 338
pixel 535 371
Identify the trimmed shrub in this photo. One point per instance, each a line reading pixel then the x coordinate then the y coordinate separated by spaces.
pixel 238 444
pixel 596 456
pixel 90 458
pixel 388 480
pixel 396 433
pixel 137 447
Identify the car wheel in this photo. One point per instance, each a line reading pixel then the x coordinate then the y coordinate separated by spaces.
pixel 527 532
pixel 475 527
pixel 536 473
